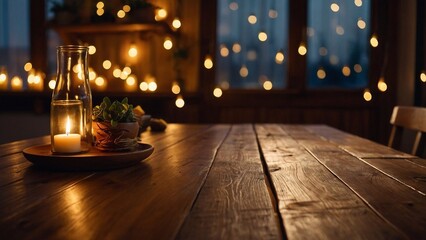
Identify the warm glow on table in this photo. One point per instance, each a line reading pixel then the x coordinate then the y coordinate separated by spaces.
pixel 68 142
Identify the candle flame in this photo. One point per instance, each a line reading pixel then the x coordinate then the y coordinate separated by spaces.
pixel 68 126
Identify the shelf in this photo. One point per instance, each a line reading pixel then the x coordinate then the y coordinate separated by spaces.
pixel 159 27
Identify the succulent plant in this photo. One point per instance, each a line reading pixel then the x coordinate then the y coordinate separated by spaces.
pixel 113 112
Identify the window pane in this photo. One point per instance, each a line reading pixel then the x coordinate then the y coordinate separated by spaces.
pixel 338 43
pixel 14 39
pixel 243 60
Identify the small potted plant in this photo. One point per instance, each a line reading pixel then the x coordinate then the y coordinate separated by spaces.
pixel 115 126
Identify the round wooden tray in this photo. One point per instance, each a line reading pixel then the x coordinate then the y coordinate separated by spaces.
pixel 93 160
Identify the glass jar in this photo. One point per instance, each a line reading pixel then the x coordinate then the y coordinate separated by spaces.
pixel 71 105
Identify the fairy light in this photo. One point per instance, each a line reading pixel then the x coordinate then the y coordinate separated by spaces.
pixel 262 36
pixel 16 83
pixel 131 80
pixel 367 95
pixel 358 3
pixel 208 62
pixel 244 71
pixel 121 14
pixel 334 7
pixel 126 8
pixel 52 84
pixel 176 23
pixel 100 81
pixel 100 5
pixel 175 88
pixel 236 47
pixel 361 23
pixel 143 86
pixel 100 11
pixel 340 30
pixel 92 50
pixel 180 103
pixel 273 13
pixel 423 76
pixel 321 74
pixel 224 51
pixel 252 19
pixel 123 75
pixel 77 68
pixel 323 51
pixel 217 92
pixel 106 64
pixel 279 57
pixel 381 85
pixel 92 74
pixel 302 50
pixel 346 71
pixel 251 55
pixel 117 72
pixel 334 60
pixel 233 6
pixel 374 41
pixel 267 85
pixel 224 85
pixel 152 86
pixel 133 51
pixel 28 66
pixel 167 44
pixel 3 77
pixel 160 14
pixel 357 68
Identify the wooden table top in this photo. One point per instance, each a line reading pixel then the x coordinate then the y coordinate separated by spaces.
pixel 241 181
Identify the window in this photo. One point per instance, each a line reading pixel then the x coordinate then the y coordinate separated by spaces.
pixel 252 42
pixel 336 47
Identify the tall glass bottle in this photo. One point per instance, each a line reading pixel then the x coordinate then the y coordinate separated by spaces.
pixel 71 105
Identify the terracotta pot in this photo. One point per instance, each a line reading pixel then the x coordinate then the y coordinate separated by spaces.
pixel 123 137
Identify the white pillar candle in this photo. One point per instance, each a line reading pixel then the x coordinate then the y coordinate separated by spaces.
pixel 68 142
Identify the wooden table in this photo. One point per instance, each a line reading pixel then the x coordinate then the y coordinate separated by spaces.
pixel 243 181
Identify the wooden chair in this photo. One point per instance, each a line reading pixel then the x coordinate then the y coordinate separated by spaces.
pixel 413 118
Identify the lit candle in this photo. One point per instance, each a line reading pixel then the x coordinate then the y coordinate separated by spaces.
pixel 16 83
pixel 68 142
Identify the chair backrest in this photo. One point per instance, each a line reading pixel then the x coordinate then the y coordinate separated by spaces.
pixel 405 117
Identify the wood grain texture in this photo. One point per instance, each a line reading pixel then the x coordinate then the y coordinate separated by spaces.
pixel 313 203
pixel 234 202
pixel 150 200
pixel 400 205
pixel 357 146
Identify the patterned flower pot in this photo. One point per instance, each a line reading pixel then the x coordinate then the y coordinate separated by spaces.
pixel 122 137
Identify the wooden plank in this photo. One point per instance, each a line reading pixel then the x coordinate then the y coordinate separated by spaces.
pixel 313 203
pixel 234 203
pixel 404 171
pixel 18 146
pixel 401 206
pixel 357 146
pixel 150 200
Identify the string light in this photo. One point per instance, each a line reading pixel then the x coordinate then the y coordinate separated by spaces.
pixel 357 68
pixel 367 95
pixel 143 86
pixel 175 88
pixel 176 23
pixel 100 81
pixel 16 83
pixel 100 11
pixel 161 14
pixel 127 70
pixel 126 8
pixel 217 92
pixel 252 19
pixel 52 84
pixel 167 44
pixel 180 103
pixel 262 36
pixel 244 71
pixel 374 41
pixel 346 71
pixel 423 76
pixel 273 13
pixel 358 3
pixel 152 86
pixel 106 64
pixel 279 57
pixel 224 85
pixel 121 14
pixel 92 50
pixel 340 30
pixel 28 66
pixel 381 84
pixel 117 72
pixel 321 74
pixel 133 51
pixel 92 74
pixel 236 47
pixel 267 85
pixel 100 5
pixel 361 23
pixel 233 6
pixel 208 62
pixel 302 50
pixel 323 51
pixel 334 7
pixel 224 51
pixel 251 55
pixel 131 80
